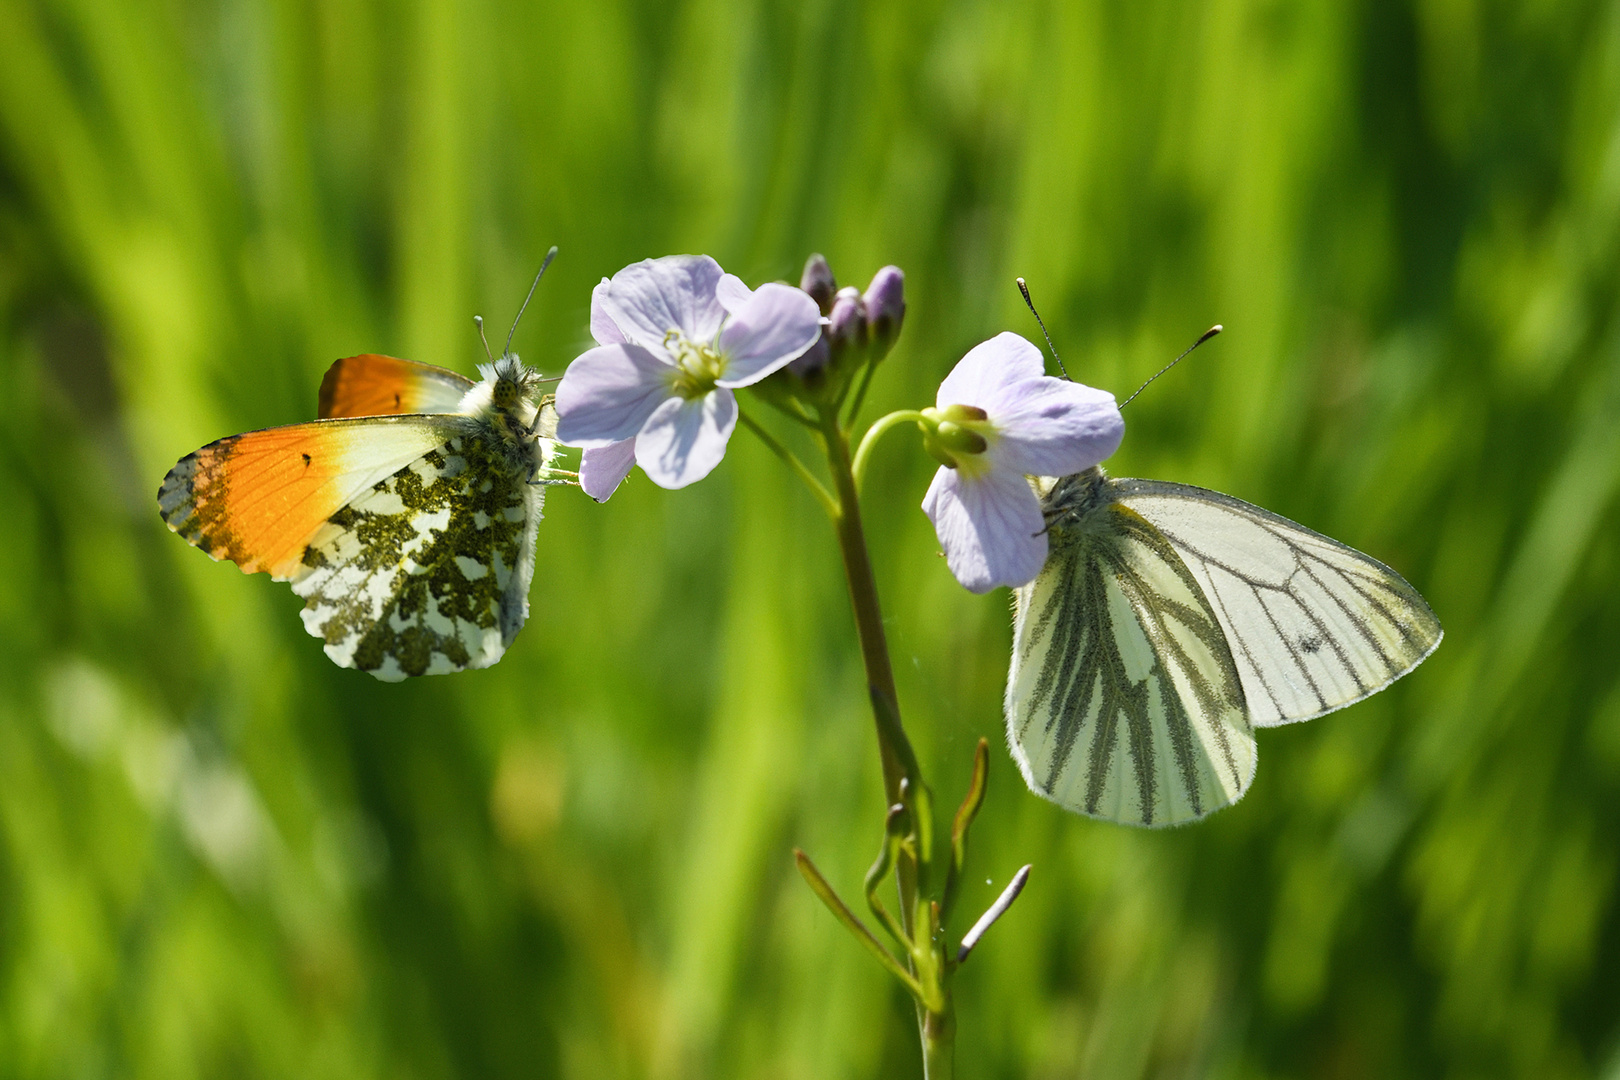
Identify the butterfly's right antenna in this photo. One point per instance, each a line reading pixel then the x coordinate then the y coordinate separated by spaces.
pixel 1025 290
pixel 478 321
pixel 552 254
pixel 1211 332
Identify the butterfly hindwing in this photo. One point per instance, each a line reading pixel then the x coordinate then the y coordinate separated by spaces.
pixel 375 385
pixel 1123 701
pixel 427 572
pixel 1313 625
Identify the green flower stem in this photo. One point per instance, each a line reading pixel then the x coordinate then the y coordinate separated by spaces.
pixel 791 409
pixel 902 778
pixel 817 488
pixel 879 428
pixel 899 760
pixel 939 1043
pixel 860 394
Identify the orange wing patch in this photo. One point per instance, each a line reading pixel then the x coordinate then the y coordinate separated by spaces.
pixel 258 499
pixel 374 385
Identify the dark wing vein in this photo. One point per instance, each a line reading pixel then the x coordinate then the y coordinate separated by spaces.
pixel 1083 663
pixel 1318 624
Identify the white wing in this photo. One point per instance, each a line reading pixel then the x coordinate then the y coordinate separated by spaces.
pixel 1123 701
pixel 1313 625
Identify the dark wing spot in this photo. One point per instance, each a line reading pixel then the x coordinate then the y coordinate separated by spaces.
pixel 1311 643
pixel 306 460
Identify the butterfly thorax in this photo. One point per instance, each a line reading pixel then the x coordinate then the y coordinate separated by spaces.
pixel 1068 499
pixel 506 406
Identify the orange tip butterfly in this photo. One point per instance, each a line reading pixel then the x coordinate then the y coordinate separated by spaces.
pixel 405 516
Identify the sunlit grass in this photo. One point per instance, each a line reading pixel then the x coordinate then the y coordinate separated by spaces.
pixel 220 855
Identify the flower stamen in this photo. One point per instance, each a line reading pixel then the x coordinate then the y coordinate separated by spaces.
pixel 697 367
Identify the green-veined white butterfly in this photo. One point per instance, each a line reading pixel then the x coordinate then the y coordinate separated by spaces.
pixel 1169 622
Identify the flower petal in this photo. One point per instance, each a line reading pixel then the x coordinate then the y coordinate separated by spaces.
pixel 990 527
pixel 603 328
pixel 648 299
pixel 603 468
pixel 685 439
pixel 987 368
pixel 732 293
pixel 777 324
pixel 1052 427
pixel 608 393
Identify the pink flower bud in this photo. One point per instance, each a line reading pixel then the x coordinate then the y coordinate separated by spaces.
pixel 846 324
pixel 885 308
pixel 818 281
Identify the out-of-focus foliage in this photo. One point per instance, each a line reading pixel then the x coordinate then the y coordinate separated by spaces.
pixel 222 856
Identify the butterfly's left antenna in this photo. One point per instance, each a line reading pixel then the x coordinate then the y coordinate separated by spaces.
pixel 552 254
pixel 1211 332
pixel 1025 290
pixel 478 321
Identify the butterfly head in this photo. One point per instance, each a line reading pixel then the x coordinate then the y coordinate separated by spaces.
pixel 512 382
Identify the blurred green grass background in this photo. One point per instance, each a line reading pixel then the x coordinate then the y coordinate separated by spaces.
pixel 221 856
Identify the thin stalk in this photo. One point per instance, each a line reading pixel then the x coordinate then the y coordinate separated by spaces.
pixel 817 488
pixel 894 748
pixel 860 394
pixel 823 888
pixel 790 409
pixel 899 761
pixel 902 778
pixel 939 1043
pixel 880 427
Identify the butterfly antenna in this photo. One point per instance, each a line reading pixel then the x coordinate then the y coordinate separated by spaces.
pixel 552 254
pixel 1211 332
pixel 1025 290
pixel 478 321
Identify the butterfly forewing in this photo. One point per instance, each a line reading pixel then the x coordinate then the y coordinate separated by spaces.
pixel 1313 625
pixel 257 499
pixel 1123 701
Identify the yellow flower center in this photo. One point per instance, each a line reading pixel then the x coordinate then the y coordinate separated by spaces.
pixel 697 367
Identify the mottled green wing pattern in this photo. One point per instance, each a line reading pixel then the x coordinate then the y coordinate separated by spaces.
pixel 1123 701
pixel 428 572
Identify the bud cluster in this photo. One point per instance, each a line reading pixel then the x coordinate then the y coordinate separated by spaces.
pixel 856 328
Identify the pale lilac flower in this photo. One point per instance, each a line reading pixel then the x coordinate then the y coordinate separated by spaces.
pixel 603 468
pixel 998 419
pixel 675 336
